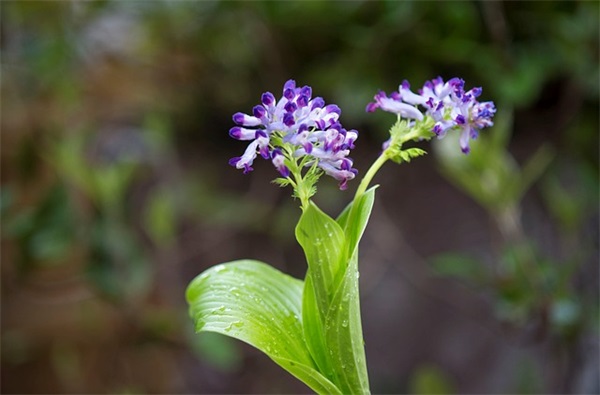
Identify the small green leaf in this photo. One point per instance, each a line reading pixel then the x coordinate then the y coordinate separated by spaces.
pixel 407 155
pixel 254 302
pixel 282 182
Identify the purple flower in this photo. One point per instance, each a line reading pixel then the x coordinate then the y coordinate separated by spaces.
pixel 447 103
pixel 299 124
pixel 394 104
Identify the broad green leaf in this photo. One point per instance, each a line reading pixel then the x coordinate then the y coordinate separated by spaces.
pixel 313 321
pixel 254 302
pixel 354 220
pixel 331 310
pixel 322 240
pixel 344 335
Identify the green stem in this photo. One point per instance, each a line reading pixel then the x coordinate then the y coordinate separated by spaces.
pixel 398 139
pixel 364 183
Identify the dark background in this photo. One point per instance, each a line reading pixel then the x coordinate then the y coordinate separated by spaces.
pixel 116 191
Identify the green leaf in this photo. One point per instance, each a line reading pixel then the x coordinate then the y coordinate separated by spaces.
pixel 254 302
pixel 331 309
pixel 344 335
pixel 313 322
pixel 354 223
pixel 322 240
pixel 407 155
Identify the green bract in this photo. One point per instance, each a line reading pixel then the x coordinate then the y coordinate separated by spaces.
pixel 312 329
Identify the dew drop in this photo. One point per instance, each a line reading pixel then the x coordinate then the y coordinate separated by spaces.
pixel 345 323
pixel 218 310
pixel 238 324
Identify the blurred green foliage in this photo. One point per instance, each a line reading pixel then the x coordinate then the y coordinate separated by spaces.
pixel 114 155
pixel 430 380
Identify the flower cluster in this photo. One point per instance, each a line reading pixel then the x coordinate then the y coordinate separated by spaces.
pixel 447 103
pixel 296 127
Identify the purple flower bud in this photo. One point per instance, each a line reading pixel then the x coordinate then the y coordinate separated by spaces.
pixel 290 107
pixel 259 111
pixel 278 161
pixel 346 164
pixel 246 120
pixel 267 99
pixel 332 108
pixel 288 94
pixel 289 85
pixel 288 119
pixel 239 133
pixel 306 91
pixel 308 147
pixel 317 102
pixel 238 118
pixel 302 101
pixel 371 107
pixel 235 132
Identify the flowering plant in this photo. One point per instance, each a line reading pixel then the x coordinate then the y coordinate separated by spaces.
pixel 312 328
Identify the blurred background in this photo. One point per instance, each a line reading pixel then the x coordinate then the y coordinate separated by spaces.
pixel 479 273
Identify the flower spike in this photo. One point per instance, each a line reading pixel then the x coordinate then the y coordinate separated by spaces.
pixel 295 129
pixel 445 105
